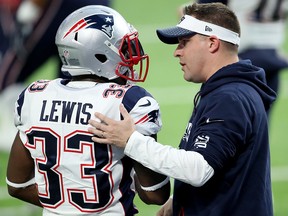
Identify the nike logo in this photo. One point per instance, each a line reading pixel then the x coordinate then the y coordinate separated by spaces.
pixel 146 104
pixel 213 120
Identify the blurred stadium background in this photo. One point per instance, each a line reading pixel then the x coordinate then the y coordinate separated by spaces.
pixel 175 96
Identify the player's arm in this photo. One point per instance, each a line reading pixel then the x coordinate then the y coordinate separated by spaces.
pixel 152 187
pixel 20 174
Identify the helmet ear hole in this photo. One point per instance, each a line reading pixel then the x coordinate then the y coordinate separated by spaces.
pixel 102 58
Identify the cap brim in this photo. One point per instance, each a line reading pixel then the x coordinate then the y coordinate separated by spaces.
pixel 171 35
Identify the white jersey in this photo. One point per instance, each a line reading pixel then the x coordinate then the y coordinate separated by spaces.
pixel 74 175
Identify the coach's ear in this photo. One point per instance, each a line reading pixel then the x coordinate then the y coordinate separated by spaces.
pixel 213 43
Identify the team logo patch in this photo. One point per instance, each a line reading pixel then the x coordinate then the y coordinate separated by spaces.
pixel 201 141
pixel 187 132
pixel 150 117
pixel 102 22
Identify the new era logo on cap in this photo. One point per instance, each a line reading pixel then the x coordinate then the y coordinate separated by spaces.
pixel 182 18
pixel 207 28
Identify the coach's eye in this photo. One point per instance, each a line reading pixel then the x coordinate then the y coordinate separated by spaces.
pixel 182 43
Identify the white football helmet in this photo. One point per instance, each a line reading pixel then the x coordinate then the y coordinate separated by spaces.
pixel 97 40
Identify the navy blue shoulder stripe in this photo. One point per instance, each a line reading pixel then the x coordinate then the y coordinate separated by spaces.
pixel 133 95
pixel 20 102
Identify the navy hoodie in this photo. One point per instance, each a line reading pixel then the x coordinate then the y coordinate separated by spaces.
pixel 229 128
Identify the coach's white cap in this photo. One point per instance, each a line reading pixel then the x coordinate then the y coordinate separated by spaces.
pixel 189 26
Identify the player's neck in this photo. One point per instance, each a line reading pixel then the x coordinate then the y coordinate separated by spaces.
pixel 91 78
pixel 94 78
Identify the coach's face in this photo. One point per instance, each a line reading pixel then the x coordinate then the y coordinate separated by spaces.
pixel 192 53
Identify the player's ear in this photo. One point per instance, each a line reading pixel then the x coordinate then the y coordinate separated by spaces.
pixel 213 43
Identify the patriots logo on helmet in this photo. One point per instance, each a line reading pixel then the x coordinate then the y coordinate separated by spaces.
pixel 102 22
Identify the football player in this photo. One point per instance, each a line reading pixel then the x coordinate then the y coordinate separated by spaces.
pixel 53 162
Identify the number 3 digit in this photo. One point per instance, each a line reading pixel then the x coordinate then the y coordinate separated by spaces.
pixel 94 170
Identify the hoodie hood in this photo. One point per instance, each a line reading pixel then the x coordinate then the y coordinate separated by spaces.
pixel 242 71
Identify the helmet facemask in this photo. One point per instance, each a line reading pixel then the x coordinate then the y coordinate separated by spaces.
pixel 132 54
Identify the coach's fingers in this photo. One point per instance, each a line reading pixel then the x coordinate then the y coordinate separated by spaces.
pixel 124 112
pixel 93 123
pixel 103 118
pixel 101 140
pixel 127 118
pixel 94 130
pixel 166 209
pixel 98 129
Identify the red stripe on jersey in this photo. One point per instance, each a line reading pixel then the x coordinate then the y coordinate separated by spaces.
pixel 143 119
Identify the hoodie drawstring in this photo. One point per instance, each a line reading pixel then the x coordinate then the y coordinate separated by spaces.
pixel 196 101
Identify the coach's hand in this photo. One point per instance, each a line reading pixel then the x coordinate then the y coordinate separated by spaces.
pixel 166 209
pixel 109 131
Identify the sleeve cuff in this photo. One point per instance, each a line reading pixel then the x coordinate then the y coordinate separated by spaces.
pixel 134 138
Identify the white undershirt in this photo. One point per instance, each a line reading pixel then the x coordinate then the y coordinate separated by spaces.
pixel 187 166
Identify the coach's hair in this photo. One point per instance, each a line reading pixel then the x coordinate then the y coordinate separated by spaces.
pixel 215 13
